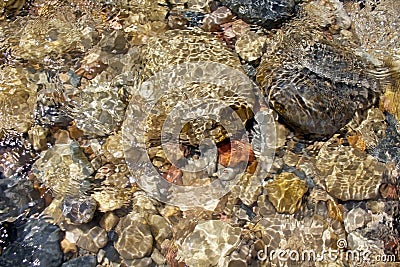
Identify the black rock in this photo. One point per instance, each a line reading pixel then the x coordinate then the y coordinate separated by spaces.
pixel 37 244
pixel 84 261
pixel 111 253
pixel 266 13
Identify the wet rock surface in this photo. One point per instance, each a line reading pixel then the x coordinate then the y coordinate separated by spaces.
pixel 328 71
pixel 315 85
pixel 267 13
pixel 37 243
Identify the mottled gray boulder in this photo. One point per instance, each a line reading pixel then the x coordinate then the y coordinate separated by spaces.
pixel 266 13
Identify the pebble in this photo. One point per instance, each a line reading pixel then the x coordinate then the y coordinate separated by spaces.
pixel 38 137
pixel 79 210
pixel 349 174
pixel 108 221
pixel 93 239
pixel 17 100
pixel 68 247
pixel 250 46
pixel 157 257
pixel 160 228
pixel 356 218
pixel 214 20
pixel 98 109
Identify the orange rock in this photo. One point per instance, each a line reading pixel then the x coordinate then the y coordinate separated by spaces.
pixel 357 141
pixel 335 211
pixel 241 152
pixel 67 247
pixel 89 71
pixel 74 132
pixel 173 175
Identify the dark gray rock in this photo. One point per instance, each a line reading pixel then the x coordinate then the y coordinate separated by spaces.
pixel 111 253
pixel 79 210
pixel 37 244
pixel 266 13
pixel 388 148
pixel 315 85
pixel 16 197
pixel 84 261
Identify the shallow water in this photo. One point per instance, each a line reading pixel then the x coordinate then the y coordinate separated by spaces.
pixel 199 133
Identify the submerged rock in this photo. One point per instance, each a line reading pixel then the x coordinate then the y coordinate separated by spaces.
pixel 209 243
pixel 84 261
pixel 17 100
pixel 266 13
pixel 17 197
pixel 79 210
pixel 348 173
pixel 98 109
pixel 63 169
pixel 376 25
pixel 286 192
pixel 315 85
pixel 134 238
pixel 16 154
pixel 93 239
pixel 37 244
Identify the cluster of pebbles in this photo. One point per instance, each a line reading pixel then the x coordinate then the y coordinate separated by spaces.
pixel 329 72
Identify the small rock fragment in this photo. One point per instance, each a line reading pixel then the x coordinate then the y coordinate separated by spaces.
pixel 108 221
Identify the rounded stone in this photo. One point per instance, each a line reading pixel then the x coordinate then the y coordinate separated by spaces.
pixel 93 240
pixel 109 221
pixel 315 85
pixel 209 243
pixel 79 210
pixel 134 238
pixel 348 173
pixel 356 218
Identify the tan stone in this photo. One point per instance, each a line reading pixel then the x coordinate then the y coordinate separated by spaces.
pixel 286 192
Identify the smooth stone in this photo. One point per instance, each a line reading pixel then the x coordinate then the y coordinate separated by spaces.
pixel 286 192
pixel 79 210
pixel 209 243
pixel 134 238
pixel 108 221
pixel 157 257
pixel 160 228
pixel 356 218
pixel 93 240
